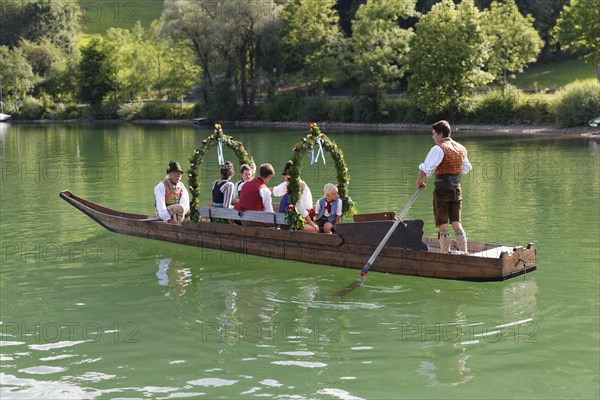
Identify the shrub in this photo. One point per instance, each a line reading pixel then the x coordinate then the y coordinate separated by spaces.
pixel 341 110
pixel 577 104
pixel 64 111
pixel 32 108
pixel 154 110
pixel 494 107
pixel 315 109
pixel 533 109
pixel 186 111
pixel 131 110
pixel 283 106
pixel 222 104
pixel 106 110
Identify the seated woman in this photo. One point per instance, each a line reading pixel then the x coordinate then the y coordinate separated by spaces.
pixel 222 189
pixel 309 225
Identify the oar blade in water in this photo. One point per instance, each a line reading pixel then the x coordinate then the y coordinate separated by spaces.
pixel 351 287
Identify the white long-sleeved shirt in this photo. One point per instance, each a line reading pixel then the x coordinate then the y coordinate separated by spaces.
pixel 161 206
pixel 227 189
pixel 265 195
pixel 435 157
pixel 306 198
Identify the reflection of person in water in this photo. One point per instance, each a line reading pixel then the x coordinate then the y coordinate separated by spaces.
pixel 175 278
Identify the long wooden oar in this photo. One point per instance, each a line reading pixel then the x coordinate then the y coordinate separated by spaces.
pixel 399 220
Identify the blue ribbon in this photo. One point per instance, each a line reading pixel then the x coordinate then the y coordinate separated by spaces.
pixel 220 152
pixel 315 158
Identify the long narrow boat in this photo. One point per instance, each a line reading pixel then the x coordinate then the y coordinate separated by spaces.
pixel 407 252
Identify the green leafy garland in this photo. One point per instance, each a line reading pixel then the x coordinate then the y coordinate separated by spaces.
pixel 306 144
pixel 196 161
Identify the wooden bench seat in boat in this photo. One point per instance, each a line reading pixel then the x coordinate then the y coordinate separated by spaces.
pixel 277 219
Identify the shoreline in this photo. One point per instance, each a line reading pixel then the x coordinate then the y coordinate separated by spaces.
pixel 528 130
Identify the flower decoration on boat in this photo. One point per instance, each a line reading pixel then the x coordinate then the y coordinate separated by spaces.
pixel 196 161
pixel 307 144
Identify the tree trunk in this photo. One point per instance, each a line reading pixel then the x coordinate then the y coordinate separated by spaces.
pixel 244 78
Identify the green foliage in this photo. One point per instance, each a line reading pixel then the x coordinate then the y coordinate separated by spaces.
pixel 155 110
pixel 514 40
pixel 198 156
pixel 341 110
pixel 283 106
pixel 495 107
pixel 312 37
pixel 533 109
pixel 130 110
pixel 106 110
pixel 577 104
pixel 223 104
pixel 578 29
pixel 314 109
pixel 134 52
pixel 311 142
pixel 100 15
pixel 34 20
pixel 555 74
pixel 64 111
pixel 97 76
pixel 380 46
pixel 31 109
pixel 16 75
pixel 449 52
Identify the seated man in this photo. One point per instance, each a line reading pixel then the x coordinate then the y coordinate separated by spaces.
pixel 256 196
pixel 172 199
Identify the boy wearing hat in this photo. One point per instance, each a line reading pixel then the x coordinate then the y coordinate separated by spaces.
pixel 172 199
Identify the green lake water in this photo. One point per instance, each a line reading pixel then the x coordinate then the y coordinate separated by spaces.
pixel 89 314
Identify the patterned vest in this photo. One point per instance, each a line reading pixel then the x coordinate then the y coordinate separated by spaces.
pixel 172 192
pixel 250 198
pixel 454 154
pixel 323 206
pixel 217 196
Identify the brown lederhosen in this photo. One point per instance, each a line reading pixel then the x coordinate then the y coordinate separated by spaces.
pixel 446 204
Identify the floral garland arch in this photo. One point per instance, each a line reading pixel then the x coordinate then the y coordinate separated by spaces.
pixel 196 161
pixel 306 144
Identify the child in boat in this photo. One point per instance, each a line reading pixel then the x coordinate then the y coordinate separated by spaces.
pixel 246 173
pixel 328 209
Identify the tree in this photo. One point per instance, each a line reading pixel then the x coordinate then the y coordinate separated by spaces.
pixel 312 33
pixel 578 30
pixel 133 51
pixel 16 75
pixel 180 72
pixel 97 72
pixel 224 36
pixel 514 41
pixel 380 46
pixel 448 54
pixel 34 20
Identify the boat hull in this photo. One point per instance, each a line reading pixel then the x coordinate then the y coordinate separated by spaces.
pixel 492 263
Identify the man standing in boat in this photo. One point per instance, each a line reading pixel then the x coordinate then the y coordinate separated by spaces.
pixel 448 160
pixel 172 199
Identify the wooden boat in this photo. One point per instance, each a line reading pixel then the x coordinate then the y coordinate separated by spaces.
pixel 4 117
pixel 407 252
